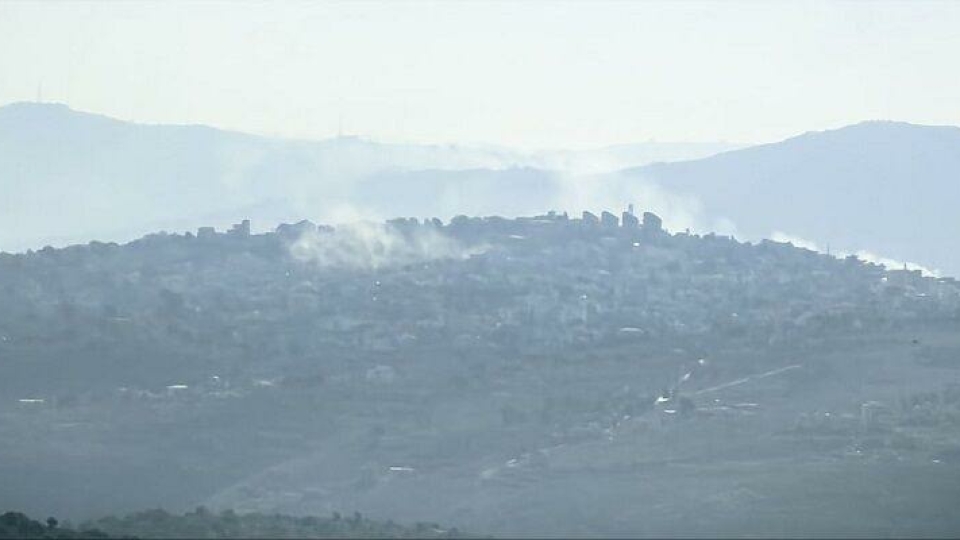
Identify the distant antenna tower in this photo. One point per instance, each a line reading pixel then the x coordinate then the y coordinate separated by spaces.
pixel 40 92
pixel 340 126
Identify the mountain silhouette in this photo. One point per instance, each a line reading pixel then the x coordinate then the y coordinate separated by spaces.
pixel 70 176
pixel 890 188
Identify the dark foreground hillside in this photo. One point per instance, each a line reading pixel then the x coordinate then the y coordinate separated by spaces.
pixel 541 376
pixel 202 523
pixel 19 525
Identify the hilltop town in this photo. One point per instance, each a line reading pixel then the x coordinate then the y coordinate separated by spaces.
pixel 315 368
pixel 543 284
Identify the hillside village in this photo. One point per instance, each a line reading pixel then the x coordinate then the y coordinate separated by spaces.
pixel 541 283
pixel 475 360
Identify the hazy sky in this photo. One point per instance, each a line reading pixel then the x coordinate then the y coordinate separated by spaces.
pixel 525 73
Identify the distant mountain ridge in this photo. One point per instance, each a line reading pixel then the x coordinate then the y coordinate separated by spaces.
pixel 888 187
pixel 72 176
pixel 883 188
pixel 97 177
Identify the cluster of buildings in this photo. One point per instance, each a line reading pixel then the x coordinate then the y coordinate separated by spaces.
pixel 533 285
pixel 489 336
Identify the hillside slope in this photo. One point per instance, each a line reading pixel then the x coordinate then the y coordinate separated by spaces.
pixel 885 187
pixel 542 376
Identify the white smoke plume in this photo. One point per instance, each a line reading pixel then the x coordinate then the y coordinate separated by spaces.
pixel 863 255
pixel 369 246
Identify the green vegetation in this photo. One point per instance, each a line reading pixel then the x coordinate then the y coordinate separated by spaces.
pixel 18 525
pixel 573 379
pixel 202 523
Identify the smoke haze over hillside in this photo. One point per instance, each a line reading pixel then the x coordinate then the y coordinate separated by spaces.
pixel 112 180
pixel 371 246
pixel 535 269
